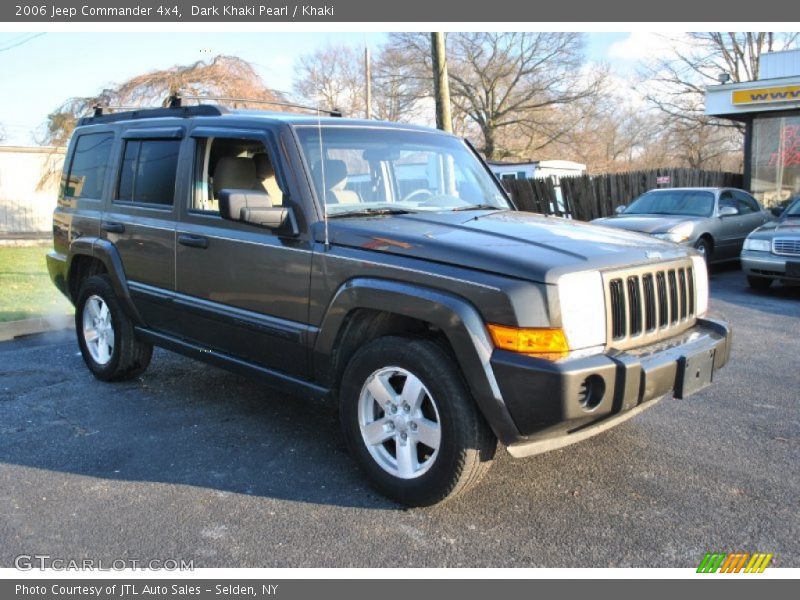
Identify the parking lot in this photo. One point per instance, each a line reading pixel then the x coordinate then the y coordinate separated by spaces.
pixel 192 462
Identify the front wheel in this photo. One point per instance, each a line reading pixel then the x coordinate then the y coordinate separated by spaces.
pixel 105 333
pixel 410 421
pixel 703 246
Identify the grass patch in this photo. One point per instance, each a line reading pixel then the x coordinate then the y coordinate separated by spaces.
pixel 25 287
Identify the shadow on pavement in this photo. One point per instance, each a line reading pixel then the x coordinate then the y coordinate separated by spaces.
pixel 183 422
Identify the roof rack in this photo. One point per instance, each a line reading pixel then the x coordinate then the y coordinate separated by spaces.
pixel 175 107
pixel 108 114
pixel 177 101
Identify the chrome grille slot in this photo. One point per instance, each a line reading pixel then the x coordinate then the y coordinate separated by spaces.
pixel 649 303
pixel 618 311
pixel 682 288
pixel 635 307
pixel 673 297
pixel 786 246
pixel 663 306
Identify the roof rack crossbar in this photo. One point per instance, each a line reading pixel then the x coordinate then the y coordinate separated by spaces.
pixel 177 100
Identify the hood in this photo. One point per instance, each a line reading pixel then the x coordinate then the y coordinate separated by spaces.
pixel 785 226
pixel 512 243
pixel 646 223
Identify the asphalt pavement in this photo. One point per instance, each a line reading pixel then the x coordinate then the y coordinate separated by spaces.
pixel 192 462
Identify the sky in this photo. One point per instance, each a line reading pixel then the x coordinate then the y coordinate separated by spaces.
pixel 40 71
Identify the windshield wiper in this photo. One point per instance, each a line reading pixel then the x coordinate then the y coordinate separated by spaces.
pixel 476 207
pixel 370 212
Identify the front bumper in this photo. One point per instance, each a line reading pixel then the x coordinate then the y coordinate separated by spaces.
pixel 556 403
pixel 766 264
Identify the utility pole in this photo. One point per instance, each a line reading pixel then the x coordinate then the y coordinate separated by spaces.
pixel 368 80
pixel 441 85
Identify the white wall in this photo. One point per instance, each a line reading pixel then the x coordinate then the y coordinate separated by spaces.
pixel 29 179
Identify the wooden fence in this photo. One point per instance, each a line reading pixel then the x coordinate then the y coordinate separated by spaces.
pixel 588 197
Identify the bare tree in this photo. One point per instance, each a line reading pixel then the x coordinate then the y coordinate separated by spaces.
pixel 676 87
pixel 398 86
pixel 332 77
pixel 221 76
pixel 512 81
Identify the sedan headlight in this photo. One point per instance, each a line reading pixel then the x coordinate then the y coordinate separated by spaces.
pixel 679 233
pixel 757 245
pixel 700 283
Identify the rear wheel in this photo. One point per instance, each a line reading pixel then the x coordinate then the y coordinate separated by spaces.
pixel 411 422
pixel 759 283
pixel 105 333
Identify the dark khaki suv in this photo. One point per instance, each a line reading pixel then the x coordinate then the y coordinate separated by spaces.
pixel 377 265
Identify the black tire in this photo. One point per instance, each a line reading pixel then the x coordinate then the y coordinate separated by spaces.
pixel 467 444
pixel 703 245
pixel 759 283
pixel 129 356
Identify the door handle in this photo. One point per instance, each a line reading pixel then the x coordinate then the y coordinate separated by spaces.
pixel 193 241
pixel 113 227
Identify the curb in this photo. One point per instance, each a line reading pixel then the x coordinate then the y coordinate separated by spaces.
pixel 15 329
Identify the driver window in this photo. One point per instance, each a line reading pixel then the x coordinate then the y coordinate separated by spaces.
pixel 225 163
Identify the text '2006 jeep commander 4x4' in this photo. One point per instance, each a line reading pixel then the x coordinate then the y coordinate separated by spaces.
pixel 382 266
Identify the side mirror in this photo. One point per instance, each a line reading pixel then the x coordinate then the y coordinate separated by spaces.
pixel 620 209
pixel 255 208
pixel 728 211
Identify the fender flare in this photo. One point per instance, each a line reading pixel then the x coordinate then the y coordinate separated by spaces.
pixel 106 252
pixel 458 320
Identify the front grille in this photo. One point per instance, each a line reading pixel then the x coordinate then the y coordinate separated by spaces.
pixel 786 246
pixel 649 303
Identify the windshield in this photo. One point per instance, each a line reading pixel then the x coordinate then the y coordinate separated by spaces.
pixel 695 203
pixel 793 210
pixel 369 170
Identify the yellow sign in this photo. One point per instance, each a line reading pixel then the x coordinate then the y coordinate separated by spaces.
pixel 783 93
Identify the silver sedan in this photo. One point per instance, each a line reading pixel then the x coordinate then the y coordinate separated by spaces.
pixel 715 221
pixel 773 250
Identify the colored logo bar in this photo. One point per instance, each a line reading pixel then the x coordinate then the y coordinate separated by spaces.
pixel 735 562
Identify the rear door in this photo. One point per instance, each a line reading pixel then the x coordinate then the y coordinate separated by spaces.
pixel 731 228
pixel 752 214
pixel 242 289
pixel 140 218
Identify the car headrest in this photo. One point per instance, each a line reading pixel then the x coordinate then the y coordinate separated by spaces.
pixel 335 173
pixel 234 173
pixel 264 169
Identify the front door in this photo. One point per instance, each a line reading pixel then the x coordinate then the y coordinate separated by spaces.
pixel 242 289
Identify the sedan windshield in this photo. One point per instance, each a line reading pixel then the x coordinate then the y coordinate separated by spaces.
pixel 696 203
pixel 374 171
pixel 793 210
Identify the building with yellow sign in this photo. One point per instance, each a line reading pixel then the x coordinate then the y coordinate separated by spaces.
pixel 770 110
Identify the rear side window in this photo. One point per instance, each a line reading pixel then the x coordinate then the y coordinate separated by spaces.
pixel 746 203
pixel 148 172
pixel 89 163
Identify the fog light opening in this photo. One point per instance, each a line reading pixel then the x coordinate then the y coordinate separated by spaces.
pixel 591 392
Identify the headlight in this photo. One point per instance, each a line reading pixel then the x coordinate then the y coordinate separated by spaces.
pixel 583 309
pixel 700 284
pixel 756 244
pixel 679 233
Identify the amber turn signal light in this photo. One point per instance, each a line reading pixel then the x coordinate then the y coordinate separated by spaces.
pixel 545 340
